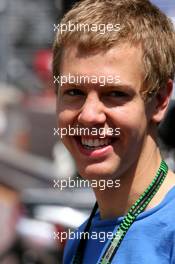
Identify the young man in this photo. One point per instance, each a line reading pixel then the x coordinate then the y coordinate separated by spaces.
pixel 131 44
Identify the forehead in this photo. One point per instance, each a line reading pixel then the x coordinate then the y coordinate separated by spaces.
pixel 123 60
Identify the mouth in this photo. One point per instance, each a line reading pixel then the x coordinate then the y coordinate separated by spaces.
pixel 95 146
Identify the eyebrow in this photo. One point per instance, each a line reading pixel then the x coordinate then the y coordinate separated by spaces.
pixel 112 86
pixel 125 88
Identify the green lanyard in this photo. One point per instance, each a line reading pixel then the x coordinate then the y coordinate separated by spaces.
pixel 139 206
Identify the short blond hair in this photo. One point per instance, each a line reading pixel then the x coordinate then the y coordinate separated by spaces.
pixel 141 23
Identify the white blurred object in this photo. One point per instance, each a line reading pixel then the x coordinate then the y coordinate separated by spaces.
pixel 63 162
pixel 3 122
pixel 170 160
pixel 39 233
pixel 173 19
pixel 9 95
pixel 173 93
pixel 64 216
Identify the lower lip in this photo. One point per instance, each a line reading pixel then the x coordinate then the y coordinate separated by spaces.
pixel 94 153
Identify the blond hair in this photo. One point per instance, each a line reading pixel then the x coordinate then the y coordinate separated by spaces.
pixel 141 23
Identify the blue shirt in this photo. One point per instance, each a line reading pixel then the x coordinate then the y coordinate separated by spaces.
pixel 150 239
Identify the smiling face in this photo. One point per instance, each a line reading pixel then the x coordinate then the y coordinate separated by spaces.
pixel 114 105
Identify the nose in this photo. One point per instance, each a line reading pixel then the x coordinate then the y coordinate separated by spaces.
pixel 92 112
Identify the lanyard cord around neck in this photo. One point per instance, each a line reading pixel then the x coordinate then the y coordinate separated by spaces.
pixel 139 206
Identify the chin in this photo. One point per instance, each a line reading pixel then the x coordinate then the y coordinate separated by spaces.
pixel 97 172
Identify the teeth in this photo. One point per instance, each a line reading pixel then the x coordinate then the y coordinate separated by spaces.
pixel 95 142
pixel 90 143
pixel 106 141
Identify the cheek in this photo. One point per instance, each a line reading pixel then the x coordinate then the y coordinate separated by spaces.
pixel 132 121
pixel 64 118
pixel 63 115
pixel 61 119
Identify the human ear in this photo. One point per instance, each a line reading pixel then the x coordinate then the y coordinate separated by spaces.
pixel 161 102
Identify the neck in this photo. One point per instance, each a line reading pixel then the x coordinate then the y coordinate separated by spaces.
pixel 114 202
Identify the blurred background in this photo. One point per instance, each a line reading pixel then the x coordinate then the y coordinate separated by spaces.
pixel 33 210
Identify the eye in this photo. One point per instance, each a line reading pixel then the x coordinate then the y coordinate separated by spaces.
pixel 74 92
pixel 117 94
